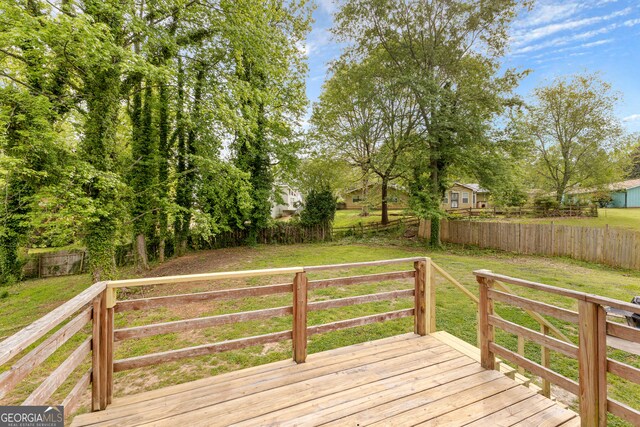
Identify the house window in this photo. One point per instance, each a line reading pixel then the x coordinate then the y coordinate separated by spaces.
pixel 356 199
pixel 454 200
pixel 445 200
pixel 465 197
pixel 392 199
pixel 474 199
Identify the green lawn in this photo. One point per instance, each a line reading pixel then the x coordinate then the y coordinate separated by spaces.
pixel 621 218
pixel 351 217
pixel 455 312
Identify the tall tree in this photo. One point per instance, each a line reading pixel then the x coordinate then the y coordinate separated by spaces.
pixel 370 119
pixel 446 53
pixel 269 88
pixel 575 132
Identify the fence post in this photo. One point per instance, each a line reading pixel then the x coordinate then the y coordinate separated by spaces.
pixel 300 317
pixel 485 309
pixel 588 363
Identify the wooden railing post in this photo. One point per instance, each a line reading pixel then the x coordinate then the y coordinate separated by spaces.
pixel 425 297
pixel 545 361
pixel 485 309
pixel 96 383
pixel 110 339
pixel 588 363
pixel 300 317
pixel 602 365
pixel 102 351
pixel 521 352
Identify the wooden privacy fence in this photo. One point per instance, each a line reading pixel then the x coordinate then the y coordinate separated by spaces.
pixel 59 263
pixel 591 352
pixel 610 246
pixel 279 234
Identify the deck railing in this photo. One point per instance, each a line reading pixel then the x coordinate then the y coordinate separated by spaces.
pixel 97 306
pixel 590 351
pixel 90 318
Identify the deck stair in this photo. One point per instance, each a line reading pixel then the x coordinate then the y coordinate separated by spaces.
pixel 474 353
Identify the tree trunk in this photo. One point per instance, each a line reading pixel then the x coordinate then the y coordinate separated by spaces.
pixel 385 206
pixel 141 247
pixel 435 218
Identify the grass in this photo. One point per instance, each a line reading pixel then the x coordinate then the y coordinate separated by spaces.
pixel 620 218
pixel 351 217
pixel 455 313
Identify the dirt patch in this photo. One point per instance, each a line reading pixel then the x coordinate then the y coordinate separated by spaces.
pixel 203 262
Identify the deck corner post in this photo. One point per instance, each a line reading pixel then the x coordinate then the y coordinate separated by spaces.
pixel 424 307
pixel 96 383
pixel 299 334
pixel 485 330
pixel 588 361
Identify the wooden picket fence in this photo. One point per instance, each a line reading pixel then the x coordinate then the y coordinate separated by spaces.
pixel 610 246
pixel 374 227
pixel 280 234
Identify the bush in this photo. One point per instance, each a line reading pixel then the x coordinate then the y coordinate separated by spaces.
pixel 602 198
pixel 319 208
pixel 545 203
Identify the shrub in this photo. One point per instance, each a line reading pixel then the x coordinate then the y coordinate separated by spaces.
pixel 545 203
pixel 319 208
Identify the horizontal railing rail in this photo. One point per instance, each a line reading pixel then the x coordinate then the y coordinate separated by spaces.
pixel 590 352
pixel 71 319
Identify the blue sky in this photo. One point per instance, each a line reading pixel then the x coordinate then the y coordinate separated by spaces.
pixel 556 38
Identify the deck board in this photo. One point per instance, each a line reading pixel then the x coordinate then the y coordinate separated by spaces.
pixel 403 380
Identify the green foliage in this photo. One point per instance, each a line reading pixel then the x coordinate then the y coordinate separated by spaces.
pixel 446 56
pixel 114 115
pixel 602 198
pixel 578 141
pixel 319 207
pixel 546 203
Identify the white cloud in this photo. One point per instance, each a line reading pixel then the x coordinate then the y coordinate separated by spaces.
pixel 524 37
pixel 565 40
pixel 632 118
pixel 328 6
pixel 545 13
pixel 317 39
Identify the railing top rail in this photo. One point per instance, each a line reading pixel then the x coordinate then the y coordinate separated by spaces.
pixel 164 280
pixel 33 332
pixel 487 274
pixel 582 296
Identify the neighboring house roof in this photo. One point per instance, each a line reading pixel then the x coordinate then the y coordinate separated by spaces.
pixel 474 187
pixel 625 185
pixel 616 186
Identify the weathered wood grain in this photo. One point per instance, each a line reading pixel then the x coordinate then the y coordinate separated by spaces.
pixel 31 360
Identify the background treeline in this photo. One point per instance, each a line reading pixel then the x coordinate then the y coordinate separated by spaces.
pixel 157 122
pixel 420 98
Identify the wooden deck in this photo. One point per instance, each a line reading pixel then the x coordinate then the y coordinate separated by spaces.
pixel 403 380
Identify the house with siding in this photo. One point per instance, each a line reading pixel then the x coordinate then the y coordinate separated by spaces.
pixel 287 201
pixel 397 197
pixel 625 194
pixel 465 196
